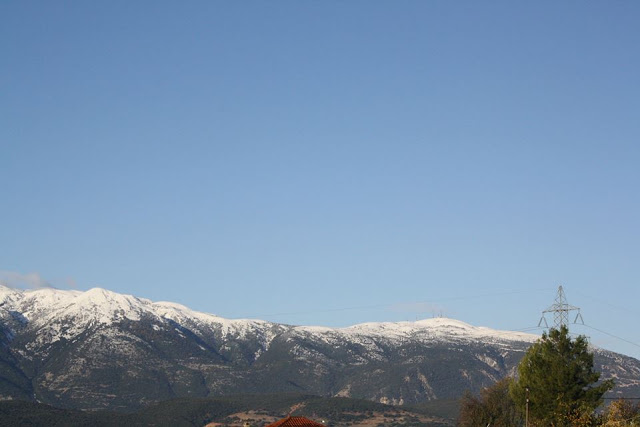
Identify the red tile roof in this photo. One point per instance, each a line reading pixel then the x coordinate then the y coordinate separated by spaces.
pixel 295 422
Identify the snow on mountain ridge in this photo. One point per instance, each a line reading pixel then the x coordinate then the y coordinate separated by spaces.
pixel 106 306
pixel 182 314
pixel 426 330
pixel 44 307
pixel 5 290
pixel 56 314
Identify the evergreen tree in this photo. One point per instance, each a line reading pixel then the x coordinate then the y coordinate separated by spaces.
pixel 558 373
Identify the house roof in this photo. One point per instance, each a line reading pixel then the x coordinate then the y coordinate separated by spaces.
pixel 295 422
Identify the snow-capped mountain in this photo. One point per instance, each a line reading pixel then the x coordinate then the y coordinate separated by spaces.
pixel 53 314
pixel 101 349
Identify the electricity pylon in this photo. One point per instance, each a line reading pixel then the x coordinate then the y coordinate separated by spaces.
pixel 560 312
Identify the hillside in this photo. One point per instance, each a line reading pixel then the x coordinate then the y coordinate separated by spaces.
pixel 103 350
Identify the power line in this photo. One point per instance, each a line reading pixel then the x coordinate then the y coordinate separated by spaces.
pixel 560 310
pixel 533 328
pixel 613 336
pixel 390 305
pixel 599 300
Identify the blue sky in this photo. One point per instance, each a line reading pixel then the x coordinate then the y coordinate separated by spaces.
pixel 330 162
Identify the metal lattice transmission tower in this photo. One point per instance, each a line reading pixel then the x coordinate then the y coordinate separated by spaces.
pixel 561 311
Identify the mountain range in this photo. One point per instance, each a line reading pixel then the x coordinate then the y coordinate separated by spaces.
pixel 104 350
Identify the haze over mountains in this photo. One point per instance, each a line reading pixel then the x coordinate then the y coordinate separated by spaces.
pixel 100 349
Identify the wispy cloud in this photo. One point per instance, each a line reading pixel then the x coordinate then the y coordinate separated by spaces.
pixel 14 279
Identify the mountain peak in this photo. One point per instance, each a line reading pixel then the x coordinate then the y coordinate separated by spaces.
pixel 108 306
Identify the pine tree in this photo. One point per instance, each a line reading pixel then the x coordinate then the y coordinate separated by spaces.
pixel 561 382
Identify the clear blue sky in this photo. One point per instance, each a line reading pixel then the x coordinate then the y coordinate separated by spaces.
pixel 282 160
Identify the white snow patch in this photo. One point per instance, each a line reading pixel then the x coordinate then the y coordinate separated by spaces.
pixel 57 314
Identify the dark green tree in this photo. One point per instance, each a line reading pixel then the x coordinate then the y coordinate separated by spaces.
pixel 562 384
pixel 493 407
